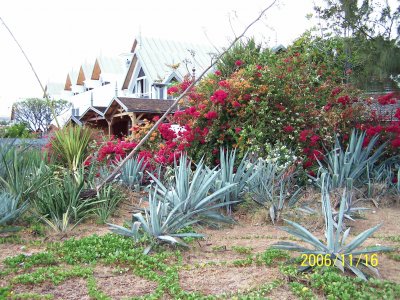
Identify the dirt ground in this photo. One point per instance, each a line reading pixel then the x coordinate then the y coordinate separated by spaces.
pixel 214 255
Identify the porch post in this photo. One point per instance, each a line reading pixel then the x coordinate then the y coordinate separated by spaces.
pixel 109 122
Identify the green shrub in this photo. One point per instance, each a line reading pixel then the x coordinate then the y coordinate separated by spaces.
pixel 23 171
pixel 19 130
pixel 160 223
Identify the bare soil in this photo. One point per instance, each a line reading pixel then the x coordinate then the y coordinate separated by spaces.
pixel 208 264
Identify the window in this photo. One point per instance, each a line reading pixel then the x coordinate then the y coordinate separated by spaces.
pixel 141 86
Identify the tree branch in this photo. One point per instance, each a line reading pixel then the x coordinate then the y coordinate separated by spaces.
pixel 33 69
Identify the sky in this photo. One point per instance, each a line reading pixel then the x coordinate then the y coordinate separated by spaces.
pixel 58 36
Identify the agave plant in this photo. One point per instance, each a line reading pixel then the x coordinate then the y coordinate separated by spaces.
pixel 241 177
pixel 24 172
pixel 353 161
pixel 274 189
pixel 132 173
pixel 192 191
pixel 160 223
pixel 350 211
pixel 109 197
pixel 10 208
pixel 343 255
pixel 59 204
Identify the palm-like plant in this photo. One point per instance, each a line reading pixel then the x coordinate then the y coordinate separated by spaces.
pixel 353 161
pixel 160 223
pixel 192 192
pixel 70 146
pixel 344 255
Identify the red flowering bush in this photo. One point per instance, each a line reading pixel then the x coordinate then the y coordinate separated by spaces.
pixel 261 99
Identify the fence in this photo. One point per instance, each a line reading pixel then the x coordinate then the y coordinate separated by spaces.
pixel 36 143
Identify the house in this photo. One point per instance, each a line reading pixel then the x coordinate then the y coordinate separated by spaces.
pixel 114 93
pixel 158 63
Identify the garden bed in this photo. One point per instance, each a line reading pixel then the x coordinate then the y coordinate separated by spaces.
pixel 230 262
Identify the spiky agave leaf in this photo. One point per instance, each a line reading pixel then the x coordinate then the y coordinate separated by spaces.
pixel 132 172
pixel 241 177
pixel 335 246
pixel 353 161
pixel 159 223
pixel 193 192
pixel 10 208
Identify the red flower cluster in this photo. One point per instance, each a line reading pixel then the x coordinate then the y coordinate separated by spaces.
pixel 115 150
pixel 397 114
pixel 219 96
pixel 280 107
pixel 172 90
pixel 304 134
pixel 336 91
pixel 166 132
pixel 239 63
pixel 288 128
pixel 236 104
pixel 211 115
pixel 387 99
pixel 224 84
pixel 344 100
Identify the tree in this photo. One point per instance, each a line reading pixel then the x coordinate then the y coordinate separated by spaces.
pixel 19 130
pixel 368 30
pixel 37 112
pixel 352 18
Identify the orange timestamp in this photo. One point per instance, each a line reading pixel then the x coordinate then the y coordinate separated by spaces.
pixel 327 260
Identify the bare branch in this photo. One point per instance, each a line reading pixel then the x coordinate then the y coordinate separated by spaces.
pixel 33 70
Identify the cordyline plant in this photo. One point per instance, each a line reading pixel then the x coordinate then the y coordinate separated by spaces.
pixel 70 146
pixel 160 223
pixel 336 251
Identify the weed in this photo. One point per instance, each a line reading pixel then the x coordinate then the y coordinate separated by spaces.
pixel 32 296
pixel 242 249
pixel 301 291
pixel 26 262
pixel 219 248
pixel 12 239
pixel 54 274
pixel 93 291
pixel 271 255
pixel 243 262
